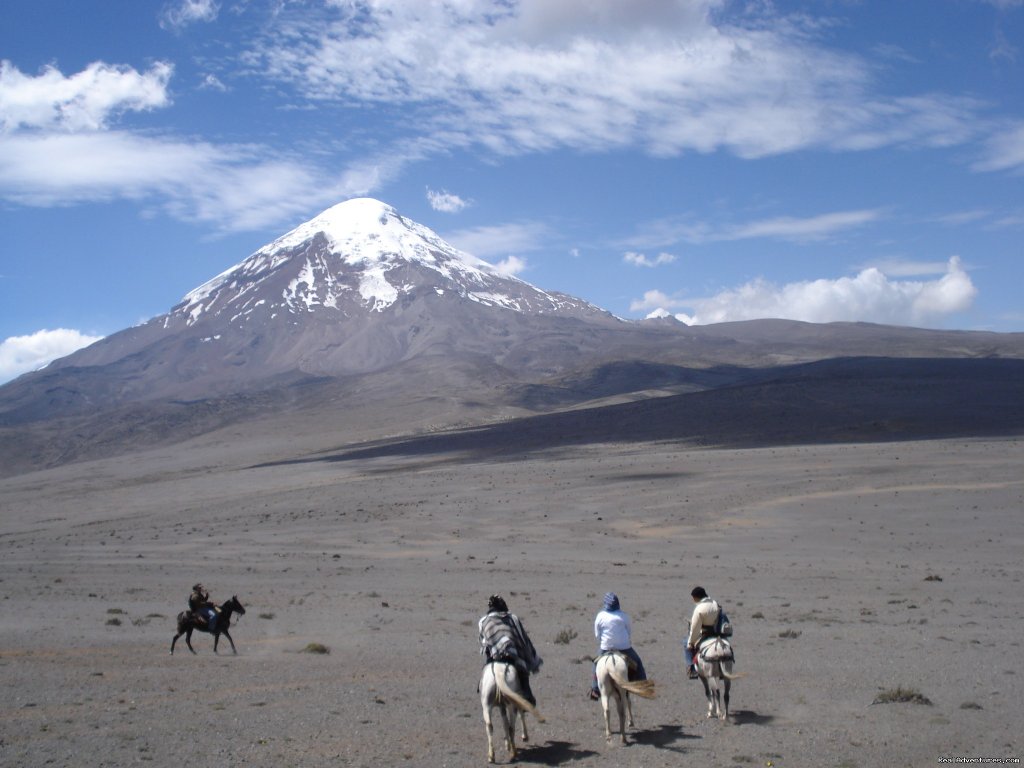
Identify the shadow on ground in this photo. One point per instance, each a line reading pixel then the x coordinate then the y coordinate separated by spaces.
pixel 747 717
pixel 553 753
pixel 843 400
pixel 663 737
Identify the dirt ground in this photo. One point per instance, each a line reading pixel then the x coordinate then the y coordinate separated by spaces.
pixel 852 573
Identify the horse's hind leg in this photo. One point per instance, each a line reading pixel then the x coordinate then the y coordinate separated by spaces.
pixel 188 640
pixel 621 702
pixel 629 711
pixel 724 713
pixel 174 641
pixel 522 719
pixel 490 733
pixel 708 694
pixel 510 731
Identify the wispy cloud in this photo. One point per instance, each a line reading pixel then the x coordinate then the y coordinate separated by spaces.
pixel 642 260
pixel 21 354
pixel 664 77
pixel 512 265
pixel 500 240
pixel 180 13
pixel 1004 151
pixel 662 233
pixel 57 147
pixel 871 296
pixel 445 202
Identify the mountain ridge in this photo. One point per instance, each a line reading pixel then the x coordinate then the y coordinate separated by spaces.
pixel 360 305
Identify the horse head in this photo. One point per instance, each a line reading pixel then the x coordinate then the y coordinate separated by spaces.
pixel 234 605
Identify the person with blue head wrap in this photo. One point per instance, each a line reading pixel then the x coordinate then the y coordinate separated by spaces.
pixel 613 630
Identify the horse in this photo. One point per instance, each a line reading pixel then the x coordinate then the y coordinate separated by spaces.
pixel 714 660
pixel 613 681
pixel 187 624
pixel 499 687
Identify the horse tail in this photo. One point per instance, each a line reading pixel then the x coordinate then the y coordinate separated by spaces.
pixel 727 672
pixel 516 697
pixel 642 688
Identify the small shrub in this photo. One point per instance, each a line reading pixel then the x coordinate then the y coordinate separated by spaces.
pixel 117 611
pixel 901 695
pixel 756 615
pixel 267 615
pixel 316 648
pixel 932 577
pixel 790 633
pixel 970 705
pixel 566 636
pixel 115 622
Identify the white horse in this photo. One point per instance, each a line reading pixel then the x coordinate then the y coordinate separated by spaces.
pixel 499 687
pixel 613 682
pixel 714 667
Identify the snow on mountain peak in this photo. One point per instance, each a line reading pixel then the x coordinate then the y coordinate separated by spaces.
pixel 348 253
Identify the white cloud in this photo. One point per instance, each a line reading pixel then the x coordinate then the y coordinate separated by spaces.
pixel 667 76
pixel 800 229
pixel 56 148
pixel 445 202
pixel 869 296
pixel 212 83
pixel 181 13
pixel 21 354
pixel 81 102
pixel 641 260
pixel 666 232
pixel 512 265
pixel 1004 151
pixel 500 239
pixel 232 188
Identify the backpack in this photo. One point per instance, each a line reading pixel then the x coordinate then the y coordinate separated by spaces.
pixel 723 627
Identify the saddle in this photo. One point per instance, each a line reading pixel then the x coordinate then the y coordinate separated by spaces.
pixel 631 665
pixel 715 649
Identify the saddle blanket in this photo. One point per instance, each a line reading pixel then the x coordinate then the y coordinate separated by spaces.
pixel 716 649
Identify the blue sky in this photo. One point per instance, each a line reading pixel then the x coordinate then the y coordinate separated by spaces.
pixel 711 159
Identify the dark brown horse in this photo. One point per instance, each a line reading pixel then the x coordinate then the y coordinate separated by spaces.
pixel 187 624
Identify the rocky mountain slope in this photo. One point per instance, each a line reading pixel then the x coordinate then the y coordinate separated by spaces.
pixel 362 308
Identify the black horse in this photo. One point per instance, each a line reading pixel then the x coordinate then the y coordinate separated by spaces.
pixel 187 624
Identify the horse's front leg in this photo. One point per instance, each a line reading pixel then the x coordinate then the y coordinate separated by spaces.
pixel 230 640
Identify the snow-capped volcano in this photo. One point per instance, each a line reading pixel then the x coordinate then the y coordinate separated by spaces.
pixel 358 256
pixel 357 289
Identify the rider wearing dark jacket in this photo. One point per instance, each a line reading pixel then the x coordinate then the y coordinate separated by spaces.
pixel 200 606
pixel 503 638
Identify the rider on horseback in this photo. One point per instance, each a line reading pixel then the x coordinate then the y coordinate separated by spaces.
pixel 703 624
pixel 200 606
pixel 503 638
pixel 613 630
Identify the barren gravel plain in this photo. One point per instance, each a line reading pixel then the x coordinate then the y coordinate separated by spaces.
pixel 854 574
